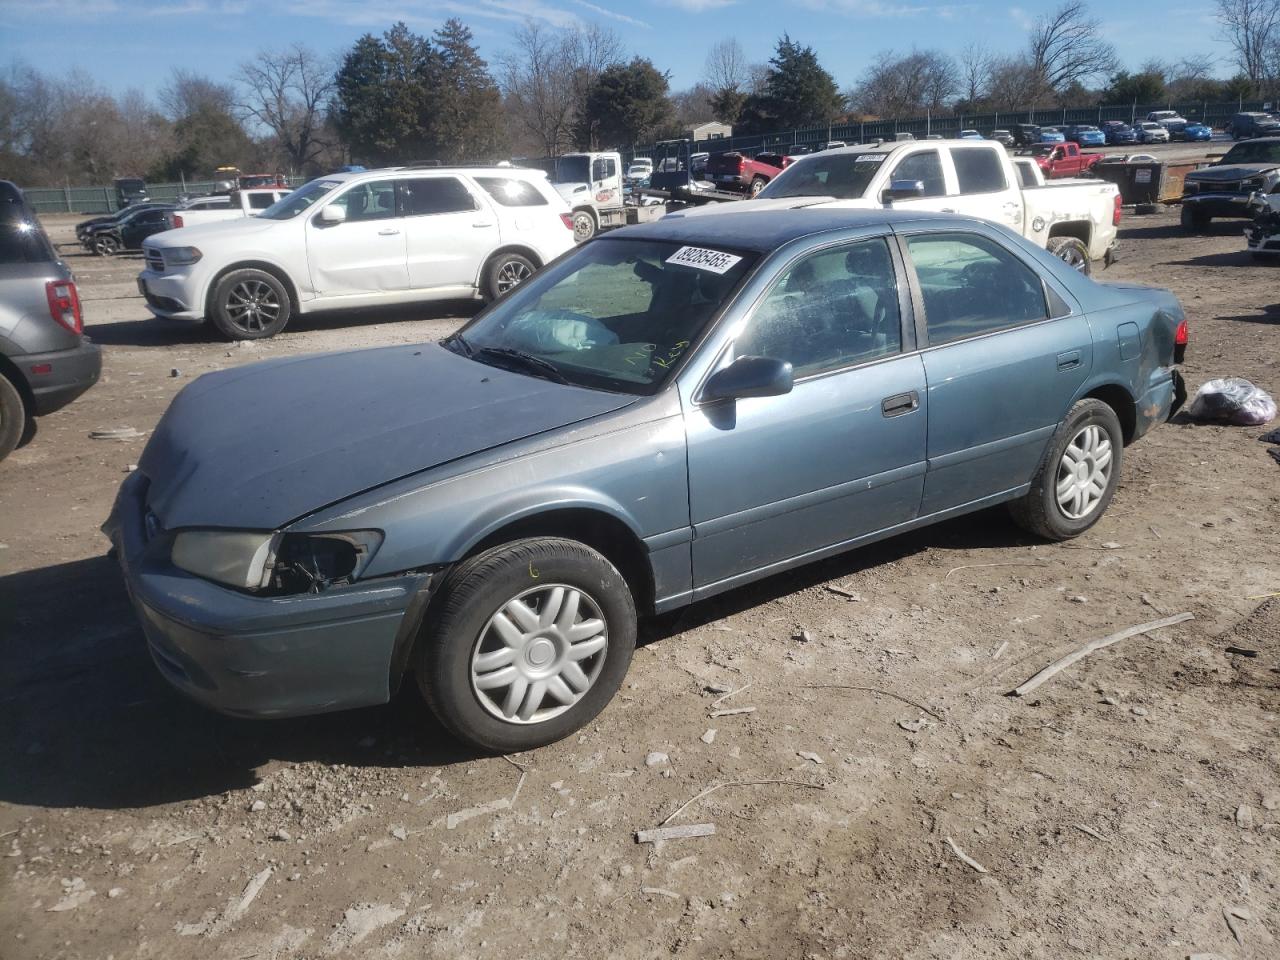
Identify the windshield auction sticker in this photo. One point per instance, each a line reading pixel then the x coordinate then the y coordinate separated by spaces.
pixel 870 158
pixel 714 261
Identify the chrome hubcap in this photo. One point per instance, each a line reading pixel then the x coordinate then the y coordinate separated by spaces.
pixel 583 227
pixel 1084 472
pixel 539 654
pixel 512 274
pixel 252 305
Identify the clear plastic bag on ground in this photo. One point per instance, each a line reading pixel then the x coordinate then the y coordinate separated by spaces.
pixel 1233 400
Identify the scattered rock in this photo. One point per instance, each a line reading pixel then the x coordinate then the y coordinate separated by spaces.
pixel 282 834
pixel 811 757
pixel 1078 599
pixel 1244 817
pixel 1139 711
pixel 400 833
pixel 804 636
pixel 115 892
pixel 74 894
pixel 656 758
pixel 1112 545
pixel 710 737
pixel 1271 801
pixel 913 726
pixel 358 922
pixel 685 831
pixel 1110 701
pixel 257 806
pixel 717 688
pixel 175 372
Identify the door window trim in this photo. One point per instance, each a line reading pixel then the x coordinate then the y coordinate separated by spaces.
pixel 917 294
pixel 906 315
pixel 400 208
pixel 395 213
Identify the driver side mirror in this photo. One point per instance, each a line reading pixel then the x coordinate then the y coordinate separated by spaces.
pixel 749 377
pixel 333 214
pixel 902 190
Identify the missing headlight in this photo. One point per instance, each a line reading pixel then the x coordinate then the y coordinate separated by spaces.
pixel 311 563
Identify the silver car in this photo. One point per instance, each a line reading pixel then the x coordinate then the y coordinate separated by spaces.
pixel 45 360
pixel 665 413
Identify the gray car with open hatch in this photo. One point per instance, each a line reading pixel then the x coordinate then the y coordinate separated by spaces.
pixel 667 412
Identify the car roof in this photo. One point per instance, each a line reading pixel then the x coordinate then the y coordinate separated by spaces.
pixel 764 231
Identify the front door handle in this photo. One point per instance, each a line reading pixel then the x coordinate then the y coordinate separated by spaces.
pixel 388 233
pixel 482 224
pixel 899 404
pixel 1069 360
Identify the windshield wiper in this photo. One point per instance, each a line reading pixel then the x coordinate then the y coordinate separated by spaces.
pixel 534 365
pixel 456 340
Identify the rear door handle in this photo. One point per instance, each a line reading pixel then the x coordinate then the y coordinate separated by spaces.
pixel 899 404
pixel 1069 360
pixel 388 233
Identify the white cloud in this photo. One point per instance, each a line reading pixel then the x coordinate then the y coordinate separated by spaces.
pixel 698 6
pixel 612 15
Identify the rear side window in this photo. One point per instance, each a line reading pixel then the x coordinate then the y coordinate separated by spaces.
pixel 972 285
pixel 22 241
pixel 925 167
pixel 979 171
pixel 431 195
pixel 511 192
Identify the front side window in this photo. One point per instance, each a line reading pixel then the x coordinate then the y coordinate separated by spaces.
pixel 260 201
pixel 979 171
pixel 368 201
pixel 926 167
pixel 1256 152
pixel 616 314
pixel 971 285
pixel 829 310
pixel 510 192
pixel 432 195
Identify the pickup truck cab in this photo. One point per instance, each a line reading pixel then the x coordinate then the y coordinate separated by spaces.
pixel 1077 222
pixel 241 203
pixel 1059 160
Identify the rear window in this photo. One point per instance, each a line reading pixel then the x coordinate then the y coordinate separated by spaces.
pixel 511 192
pixel 22 241
pixel 979 171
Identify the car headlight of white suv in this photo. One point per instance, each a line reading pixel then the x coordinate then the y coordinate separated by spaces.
pixel 181 256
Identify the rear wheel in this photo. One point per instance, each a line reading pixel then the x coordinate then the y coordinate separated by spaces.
pixel 1195 220
pixel 505 272
pixel 528 643
pixel 249 305
pixel 1078 476
pixel 13 417
pixel 757 184
pixel 1072 252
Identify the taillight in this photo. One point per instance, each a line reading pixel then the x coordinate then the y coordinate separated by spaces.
pixel 567 220
pixel 64 304
pixel 177 220
pixel 1115 216
pixel 1180 337
pixel 742 163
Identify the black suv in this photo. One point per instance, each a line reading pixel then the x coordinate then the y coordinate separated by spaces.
pixel 1245 126
pixel 45 360
pixel 128 229
pixel 1025 134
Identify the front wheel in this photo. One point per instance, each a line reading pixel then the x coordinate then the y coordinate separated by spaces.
pixel 1078 476
pixel 106 245
pixel 1195 220
pixel 528 643
pixel 1072 252
pixel 505 272
pixel 584 226
pixel 249 305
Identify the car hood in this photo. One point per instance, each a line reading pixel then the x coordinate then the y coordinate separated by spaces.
pixel 1238 171
pixel 572 191
pixel 259 446
pixel 192 235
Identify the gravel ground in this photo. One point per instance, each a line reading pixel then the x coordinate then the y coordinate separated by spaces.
pixel 885 798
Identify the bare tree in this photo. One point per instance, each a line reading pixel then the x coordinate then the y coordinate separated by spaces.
pixel 1067 50
pixel 1013 85
pixel 727 67
pixel 286 92
pixel 974 70
pixel 188 93
pixel 1250 27
pixel 897 86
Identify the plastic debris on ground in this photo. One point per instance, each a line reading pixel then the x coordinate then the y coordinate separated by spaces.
pixel 1233 400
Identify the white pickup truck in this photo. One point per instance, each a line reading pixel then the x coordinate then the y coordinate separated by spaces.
pixel 243 203
pixel 1076 220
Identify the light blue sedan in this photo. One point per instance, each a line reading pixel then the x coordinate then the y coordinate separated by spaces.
pixel 665 413
pixel 1052 135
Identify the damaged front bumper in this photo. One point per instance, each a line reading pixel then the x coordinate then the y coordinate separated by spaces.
pixel 255 656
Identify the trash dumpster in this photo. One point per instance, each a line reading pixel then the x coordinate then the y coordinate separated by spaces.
pixel 1138 182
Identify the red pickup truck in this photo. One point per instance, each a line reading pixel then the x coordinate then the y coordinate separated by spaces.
pixel 734 171
pixel 1058 160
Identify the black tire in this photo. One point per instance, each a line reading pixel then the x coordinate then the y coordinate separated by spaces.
pixel 1039 511
pixel 475 593
pixel 1195 220
pixel 13 417
pixel 757 184
pixel 584 225
pixel 505 272
pixel 1071 251
pixel 249 305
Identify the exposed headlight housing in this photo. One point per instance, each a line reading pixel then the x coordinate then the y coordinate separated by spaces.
pixel 181 256
pixel 275 563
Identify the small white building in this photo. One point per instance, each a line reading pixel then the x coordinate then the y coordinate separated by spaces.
pixel 713 130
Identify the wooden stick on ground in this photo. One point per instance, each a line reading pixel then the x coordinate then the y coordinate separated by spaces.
pixel 1094 645
pixel 739 783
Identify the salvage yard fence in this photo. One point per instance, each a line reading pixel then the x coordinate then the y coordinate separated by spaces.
pixel 1214 114
pixel 71 199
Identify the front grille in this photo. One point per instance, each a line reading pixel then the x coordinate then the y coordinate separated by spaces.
pixel 155 260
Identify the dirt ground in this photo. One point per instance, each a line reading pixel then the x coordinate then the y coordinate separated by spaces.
pixel 1126 809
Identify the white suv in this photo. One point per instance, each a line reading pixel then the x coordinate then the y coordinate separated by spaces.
pixel 358 239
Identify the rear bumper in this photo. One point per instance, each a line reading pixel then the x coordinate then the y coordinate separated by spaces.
pixel 263 656
pixel 58 378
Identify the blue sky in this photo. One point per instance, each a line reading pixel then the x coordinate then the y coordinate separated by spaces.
pixel 135 43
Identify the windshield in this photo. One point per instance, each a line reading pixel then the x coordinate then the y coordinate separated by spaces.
pixel 1257 151
pixel 572 170
pixel 616 314
pixel 844 176
pixel 288 207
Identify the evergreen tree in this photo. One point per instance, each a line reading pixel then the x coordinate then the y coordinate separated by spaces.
pixel 468 120
pixel 798 91
pixel 625 104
